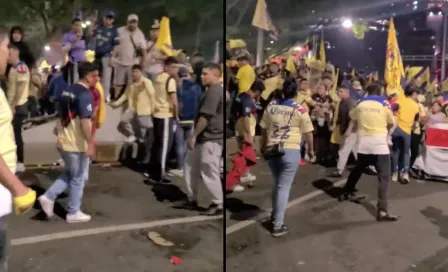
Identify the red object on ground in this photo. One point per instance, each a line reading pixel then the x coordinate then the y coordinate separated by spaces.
pixel 302 163
pixel 242 162
pixel 175 260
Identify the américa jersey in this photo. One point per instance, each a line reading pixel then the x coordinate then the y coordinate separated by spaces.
pixel 75 104
pixel 286 121
pixel 7 151
pixel 18 73
pixel 245 107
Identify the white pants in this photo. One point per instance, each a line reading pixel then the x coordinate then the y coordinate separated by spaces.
pixel 348 145
pixel 203 163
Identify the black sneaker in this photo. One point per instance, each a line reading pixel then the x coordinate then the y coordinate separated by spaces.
pixel 383 216
pixel 190 205
pixel 213 210
pixel 352 197
pixel 283 230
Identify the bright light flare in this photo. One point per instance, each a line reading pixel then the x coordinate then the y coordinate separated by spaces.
pixel 347 23
pixel 47 48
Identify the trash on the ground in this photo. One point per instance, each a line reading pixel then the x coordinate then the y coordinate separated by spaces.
pixel 175 260
pixel 158 239
pixel 106 165
pixel 301 263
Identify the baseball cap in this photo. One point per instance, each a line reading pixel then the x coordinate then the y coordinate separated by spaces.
pixel 109 13
pixel 182 72
pixel 132 17
pixel 156 25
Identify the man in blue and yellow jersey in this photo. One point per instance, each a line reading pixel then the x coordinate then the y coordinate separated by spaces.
pixel 246 121
pixel 10 185
pixel 284 121
pixel 75 144
pixel 17 93
pixel 375 123
pixel 407 114
pixel 304 94
pixel 246 74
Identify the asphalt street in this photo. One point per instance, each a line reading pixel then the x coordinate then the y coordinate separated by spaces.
pixel 327 235
pixel 123 210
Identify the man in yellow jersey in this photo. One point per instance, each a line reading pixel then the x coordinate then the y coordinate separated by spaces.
pixel 284 121
pixel 407 114
pixel 140 97
pixel 246 115
pixel 304 94
pixel 75 144
pixel 10 185
pixel 246 74
pixel 166 112
pixel 17 93
pixel 373 117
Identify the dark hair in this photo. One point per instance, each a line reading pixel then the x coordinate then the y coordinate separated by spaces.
pixel 213 66
pixel 373 89
pixel 16 29
pixel 85 68
pixel 411 89
pixel 327 77
pixel 170 60
pixel 289 89
pixel 257 86
pixel 302 79
pixel 436 102
pixel 13 46
pixel 197 54
pixel 76 20
pixel 137 67
pixel 243 58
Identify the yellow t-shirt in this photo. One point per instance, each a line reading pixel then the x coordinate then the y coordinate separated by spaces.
pixel 75 104
pixel 407 111
pixel 271 84
pixel 7 141
pixel 18 74
pixel 421 113
pixel 140 97
pixel 162 101
pixel 246 77
pixel 372 114
pixel 286 121
pixel 304 98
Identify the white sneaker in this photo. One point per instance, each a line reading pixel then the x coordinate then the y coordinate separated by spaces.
pixel 176 173
pixel 47 205
pixel 394 177
pixel 78 217
pixel 20 167
pixel 248 178
pixel 405 177
pixel 130 139
pixel 238 188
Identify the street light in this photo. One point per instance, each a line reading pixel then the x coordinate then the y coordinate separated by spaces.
pixel 298 48
pixel 47 48
pixel 84 25
pixel 347 23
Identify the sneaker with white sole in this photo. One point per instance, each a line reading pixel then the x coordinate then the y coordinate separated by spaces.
pixel 405 178
pixel 47 205
pixel 78 217
pixel 130 139
pixel 248 178
pixel 176 173
pixel 394 177
pixel 238 188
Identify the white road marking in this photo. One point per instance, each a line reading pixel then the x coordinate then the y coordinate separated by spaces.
pixel 237 226
pixel 110 229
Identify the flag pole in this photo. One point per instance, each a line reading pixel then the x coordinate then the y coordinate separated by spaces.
pixel 216 58
pixel 444 46
pixel 260 47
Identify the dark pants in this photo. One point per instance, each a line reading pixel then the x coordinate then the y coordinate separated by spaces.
pixel 415 147
pixel 382 166
pixel 33 106
pixel 3 244
pixel 17 123
pixel 163 141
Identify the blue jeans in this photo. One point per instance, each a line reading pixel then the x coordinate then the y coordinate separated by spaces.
pixel 284 170
pixel 182 134
pixel 72 177
pixel 401 143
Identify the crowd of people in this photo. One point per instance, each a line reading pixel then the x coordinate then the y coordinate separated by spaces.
pixel 169 102
pixel 306 111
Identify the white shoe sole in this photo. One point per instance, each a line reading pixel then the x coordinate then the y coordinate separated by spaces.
pixel 78 220
pixel 48 213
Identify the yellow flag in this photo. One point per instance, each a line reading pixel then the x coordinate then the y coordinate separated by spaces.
pixel 394 70
pixel 334 92
pixel 376 77
pixel 322 56
pixel 426 77
pixel 261 17
pixel 270 85
pixel 290 66
pixel 164 42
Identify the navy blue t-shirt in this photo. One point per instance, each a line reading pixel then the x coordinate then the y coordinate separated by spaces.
pixel 106 38
pixel 75 102
pixel 245 106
